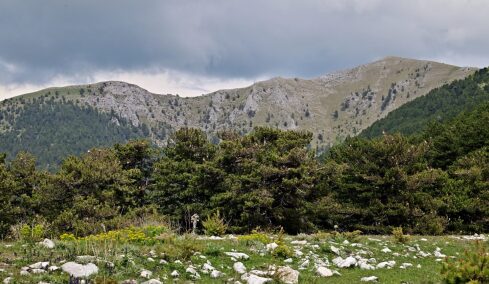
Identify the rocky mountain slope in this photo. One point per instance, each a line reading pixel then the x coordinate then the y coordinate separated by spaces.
pixel 332 106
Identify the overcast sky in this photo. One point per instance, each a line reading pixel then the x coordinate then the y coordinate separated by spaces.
pixel 194 47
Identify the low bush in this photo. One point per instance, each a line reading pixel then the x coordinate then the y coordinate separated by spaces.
pixel 399 236
pixel 472 268
pixel 214 225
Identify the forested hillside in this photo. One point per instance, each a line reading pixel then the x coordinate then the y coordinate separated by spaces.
pixel 53 129
pixel 331 107
pixel 430 184
pixel 439 105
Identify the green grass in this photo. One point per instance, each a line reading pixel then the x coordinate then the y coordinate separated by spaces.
pixel 129 258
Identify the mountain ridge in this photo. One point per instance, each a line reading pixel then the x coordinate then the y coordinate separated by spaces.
pixel 332 106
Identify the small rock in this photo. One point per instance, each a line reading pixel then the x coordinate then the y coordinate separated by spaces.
pixel 335 250
pixel 79 270
pixel 146 273
pixel 253 279
pixel 175 274
pixel 24 273
pixel 287 275
pixel 162 261
pixel 239 267
pixel 289 260
pixel 301 243
pixel 153 281
pixel 216 274
pixel 345 263
pixel 39 265
pixel 386 264
pixel 271 246
pixel 369 279
pixel 47 243
pixel 386 250
pixel 7 280
pixel 237 255
pixel 405 265
pixel 191 270
pixel 324 271
pixel 38 271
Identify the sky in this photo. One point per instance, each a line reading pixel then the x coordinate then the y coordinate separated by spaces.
pixel 195 47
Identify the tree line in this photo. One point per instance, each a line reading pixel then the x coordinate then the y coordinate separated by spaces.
pixel 432 183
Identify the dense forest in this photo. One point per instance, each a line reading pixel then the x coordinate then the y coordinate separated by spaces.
pixel 52 128
pixel 431 183
pixel 440 104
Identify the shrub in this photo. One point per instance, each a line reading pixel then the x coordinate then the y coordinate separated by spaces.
pixel 282 250
pixel 349 236
pixel 33 233
pixel 431 225
pixel 214 225
pixel 472 268
pixel 255 236
pixel 180 248
pixel 399 236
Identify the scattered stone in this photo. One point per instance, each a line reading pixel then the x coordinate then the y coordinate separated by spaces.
pixel 405 265
pixel 438 253
pixel 24 273
pixel 254 279
pixel 324 271
pixel 386 250
pixel 146 274
pixel 162 261
pixel 39 265
pixel 175 274
pixel 38 271
pixel 271 246
pixel 287 275
pixel 153 281
pixel 335 250
pixel 345 263
pixel 365 266
pixel 239 268
pixel 237 255
pixel 300 243
pixel 386 264
pixel 369 279
pixel 7 280
pixel 47 243
pixel 216 274
pixel 289 260
pixel 215 238
pixel 79 270
pixel 193 273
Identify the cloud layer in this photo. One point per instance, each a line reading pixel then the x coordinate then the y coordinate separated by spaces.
pixel 229 40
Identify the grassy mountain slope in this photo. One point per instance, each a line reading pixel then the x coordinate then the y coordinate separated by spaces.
pixel 332 107
pixel 440 104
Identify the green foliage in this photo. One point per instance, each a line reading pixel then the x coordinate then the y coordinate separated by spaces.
pixel 53 129
pixel 31 234
pixel 255 236
pixel 399 236
pixel 472 268
pixel 214 225
pixel 440 105
pixel 282 250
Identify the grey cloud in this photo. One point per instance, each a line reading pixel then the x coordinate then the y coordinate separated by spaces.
pixel 227 38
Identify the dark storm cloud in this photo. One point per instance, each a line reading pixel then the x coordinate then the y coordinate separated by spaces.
pixel 40 40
